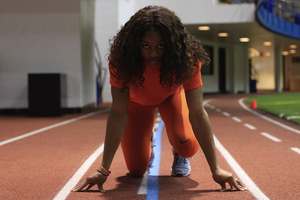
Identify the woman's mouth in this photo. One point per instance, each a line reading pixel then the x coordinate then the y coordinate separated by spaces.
pixel 153 62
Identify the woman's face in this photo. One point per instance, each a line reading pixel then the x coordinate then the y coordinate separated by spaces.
pixel 152 47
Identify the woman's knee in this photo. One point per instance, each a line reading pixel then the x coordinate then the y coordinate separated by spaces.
pixel 187 149
pixel 137 169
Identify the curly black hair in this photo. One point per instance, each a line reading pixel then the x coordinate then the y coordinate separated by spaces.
pixel 182 50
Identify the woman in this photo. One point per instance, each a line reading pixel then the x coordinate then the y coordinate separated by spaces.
pixel 155 63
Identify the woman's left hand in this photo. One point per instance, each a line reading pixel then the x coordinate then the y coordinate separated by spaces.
pixel 222 177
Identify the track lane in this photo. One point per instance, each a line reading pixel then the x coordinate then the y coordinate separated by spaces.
pixel 49 159
pixel 271 164
pixel 17 125
pixel 37 167
pixel 13 126
pixel 199 185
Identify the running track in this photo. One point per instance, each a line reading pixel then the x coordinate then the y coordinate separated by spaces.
pixel 42 158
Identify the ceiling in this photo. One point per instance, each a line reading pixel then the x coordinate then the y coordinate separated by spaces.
pixel 254 31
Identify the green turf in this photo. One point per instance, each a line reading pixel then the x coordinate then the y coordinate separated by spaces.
pixel 285 105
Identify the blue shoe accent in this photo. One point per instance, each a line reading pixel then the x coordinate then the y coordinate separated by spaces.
pixel 152 152
pixel 181 166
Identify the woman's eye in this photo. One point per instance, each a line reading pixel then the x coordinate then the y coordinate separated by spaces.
pixel 145 46
pixel 161 46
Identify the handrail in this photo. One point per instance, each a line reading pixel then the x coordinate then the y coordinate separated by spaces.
pixel 284 9
pixel 281 16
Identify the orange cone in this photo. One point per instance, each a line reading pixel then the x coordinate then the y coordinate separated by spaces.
pixel 253 104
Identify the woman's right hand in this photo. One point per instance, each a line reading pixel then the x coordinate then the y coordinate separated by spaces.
pixel 90 181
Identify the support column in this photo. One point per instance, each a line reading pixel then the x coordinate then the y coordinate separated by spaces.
pixel 236 65
pixel 278 64
pixel 246 68
pixel 240 69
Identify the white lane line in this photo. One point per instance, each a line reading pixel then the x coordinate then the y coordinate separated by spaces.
pixel 297 150
pixel 52 126
pixel 218 110
pixel 271 137
pixel 212 107
pixel 226 114
pixel 267 118
pixel 236 119
pixel 238 170
pixel 293 117
pixel 257 193
pixel 144 184
pixel 65 191
pixel 250 126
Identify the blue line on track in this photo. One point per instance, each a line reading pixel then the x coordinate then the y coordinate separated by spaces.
pixel 152 184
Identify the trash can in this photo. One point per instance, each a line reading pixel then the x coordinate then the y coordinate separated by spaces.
pixel 45 94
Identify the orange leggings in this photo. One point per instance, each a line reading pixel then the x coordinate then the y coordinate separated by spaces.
pixel 136 143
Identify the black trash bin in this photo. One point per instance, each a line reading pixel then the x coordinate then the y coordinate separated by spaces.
pixel 45 94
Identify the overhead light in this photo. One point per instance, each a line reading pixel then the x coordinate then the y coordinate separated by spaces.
pixel 293 46
pixel 285 53
pixel 244 39
pixel 267 43
pixel 223 34
pixel 203 28
pixel 292 51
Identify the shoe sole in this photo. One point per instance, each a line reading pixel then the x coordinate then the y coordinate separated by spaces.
pixel 180 175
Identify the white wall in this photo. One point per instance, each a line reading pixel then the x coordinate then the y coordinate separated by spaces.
pixel 49 36
pixel 38 36
pixel 110 16
pixel 126 8
pixel 106 26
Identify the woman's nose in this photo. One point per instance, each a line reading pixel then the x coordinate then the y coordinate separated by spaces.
pixel 153 53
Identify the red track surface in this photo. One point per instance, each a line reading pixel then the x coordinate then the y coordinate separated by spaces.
pixel 39 166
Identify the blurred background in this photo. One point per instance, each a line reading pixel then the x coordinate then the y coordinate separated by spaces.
pixel 53 53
